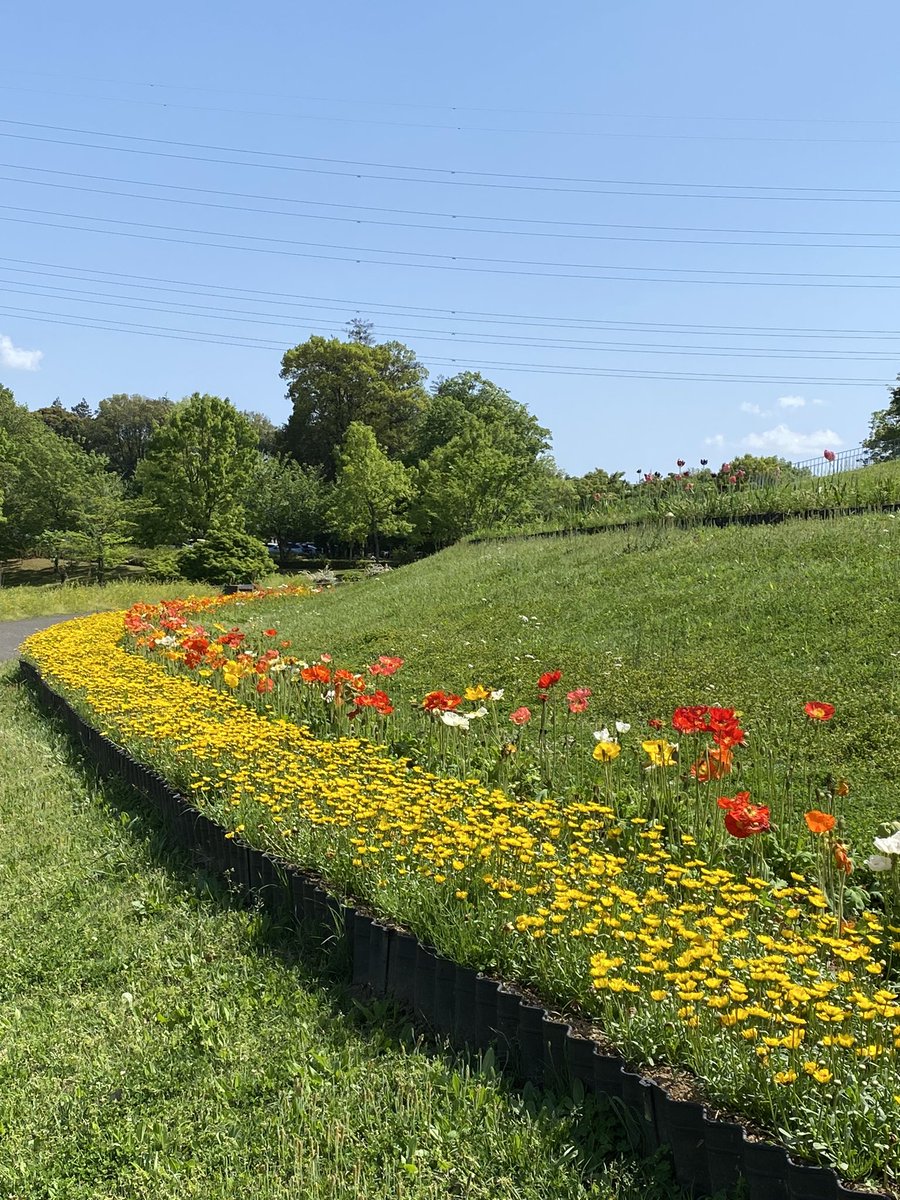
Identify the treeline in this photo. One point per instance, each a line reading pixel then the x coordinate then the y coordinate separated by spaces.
pixel 371 458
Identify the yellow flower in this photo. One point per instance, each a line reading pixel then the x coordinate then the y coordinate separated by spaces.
pixel 785 1076
pixel 478 692
pixel 606 751
pixel 661 752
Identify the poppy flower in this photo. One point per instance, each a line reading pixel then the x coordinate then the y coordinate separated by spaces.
pixel 842 858
pixel 265 685
pixel 605 752
pixel 578 699
pixel 713 764
pixel 521 716
pixel 818 710
pixel 680 462
pixel 548 679
pixel 441 702
pixel 655 723
pixel 692 719
pixel 270 632
pixel 660 752
pixel 386 665
pixel 744 822
pixel 819 822
pixel 477 693
pixel 315 674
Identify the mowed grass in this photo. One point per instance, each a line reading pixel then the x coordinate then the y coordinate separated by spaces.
pixel 158 1040
pixel 48 599
pixel 761 618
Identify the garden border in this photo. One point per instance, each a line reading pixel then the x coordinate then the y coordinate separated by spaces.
pixel 472 1010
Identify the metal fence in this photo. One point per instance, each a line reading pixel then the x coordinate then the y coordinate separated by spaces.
pixel 838 460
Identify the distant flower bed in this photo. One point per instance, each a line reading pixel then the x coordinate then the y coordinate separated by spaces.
pixel 639 894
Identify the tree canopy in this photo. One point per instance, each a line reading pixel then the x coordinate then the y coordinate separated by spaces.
pixel 883 442
pixel 198 467
pixel 332 384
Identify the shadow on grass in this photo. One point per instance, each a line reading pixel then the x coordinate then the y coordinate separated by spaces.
pixel 602 1138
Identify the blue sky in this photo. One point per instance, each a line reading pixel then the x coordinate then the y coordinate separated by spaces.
pixel 668 229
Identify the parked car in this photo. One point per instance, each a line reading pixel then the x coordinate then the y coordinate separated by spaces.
pixel 307 549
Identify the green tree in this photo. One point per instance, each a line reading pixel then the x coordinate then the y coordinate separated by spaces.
pixel 332 384
pixel 123 429
pixel 286 501
pixel 468 399
pixel 369 490
pixel 45 478
pixel 101 536
pixel 66 423
pixel 198 468
pixel 883 442
pixel 267 432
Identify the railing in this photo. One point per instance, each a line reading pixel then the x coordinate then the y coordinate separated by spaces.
pixel 834 460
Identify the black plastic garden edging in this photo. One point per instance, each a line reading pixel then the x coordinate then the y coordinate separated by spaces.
pixel 470 1009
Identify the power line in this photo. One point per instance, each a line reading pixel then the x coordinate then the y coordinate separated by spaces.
pixel 453 228
pixel 453 262
pixel 326 118
pixel 277 320
pixel 181 87
pixel 527 368
pixel 476 178
pixel 420 312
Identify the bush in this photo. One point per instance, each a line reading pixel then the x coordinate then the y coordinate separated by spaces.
pixel 162 563
pixel 225 556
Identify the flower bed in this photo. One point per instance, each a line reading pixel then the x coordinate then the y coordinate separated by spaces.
pixel 783 1012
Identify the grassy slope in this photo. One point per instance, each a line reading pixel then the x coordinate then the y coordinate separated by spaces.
pixel 761 618
pixel 157 1041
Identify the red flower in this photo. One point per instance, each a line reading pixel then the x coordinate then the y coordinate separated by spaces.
pixel 578 699
pixel 270 632
pixel 521 716
pixel 265 685
pixel 829 455
pixel 842 858
pixel 441 702
pixel 548 679
pixel 818 710
pixel 691 720
pixel 742 819
pixel 378 700
pixel 315 674
pixel 386 665
pixel 655 723
pixel 819 822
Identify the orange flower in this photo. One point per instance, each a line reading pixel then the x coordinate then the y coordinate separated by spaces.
pixel 819 822
pixel 712 764
pixel 315 674
pixel 818 710
pixel 842 858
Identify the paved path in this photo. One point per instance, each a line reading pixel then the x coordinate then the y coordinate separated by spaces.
pixel 13 633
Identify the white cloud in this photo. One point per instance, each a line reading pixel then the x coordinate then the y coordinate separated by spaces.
pixel 717 439
pixel 788 443
pixel 17 359
pixel 753 409
pixel 791 401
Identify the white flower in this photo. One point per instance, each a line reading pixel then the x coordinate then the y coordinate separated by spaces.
pixel 888 845
pixel 329 696
pixel 455 720
pixel 878 862
pixel 602 735
pixel 497 694
pixel 166 641
pixel 622 726
pixel 478 712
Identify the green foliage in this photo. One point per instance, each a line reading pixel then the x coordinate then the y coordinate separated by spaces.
pixel 369 490
pixel 268 436
pixel 191 1048
pixel 161 563
pixel 332 383
pixel 225 556
pixel 66 423
pixel 103 528
pixel 123 428
pixel 883 442
pixel 198 467
pixel 285 501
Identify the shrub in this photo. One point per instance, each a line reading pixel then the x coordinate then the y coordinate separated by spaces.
pixel 225 556
pixel 162 563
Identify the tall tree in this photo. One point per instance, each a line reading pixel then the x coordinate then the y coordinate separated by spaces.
pixel 124 426
pixel 102 528
pixel 369 490
pixel 467 399
pixel 198 467
pixel 285 501
pixel 883 442
pixel 332 383
pixel 65 422
pixel 267 433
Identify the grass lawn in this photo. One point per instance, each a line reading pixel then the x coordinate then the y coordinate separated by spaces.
pixel 762 619
pixel 157 1040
